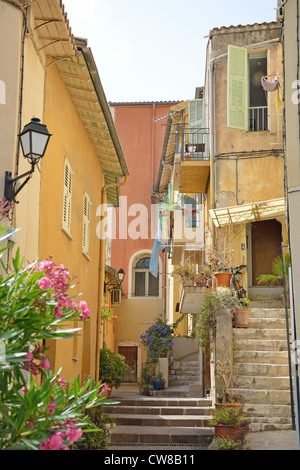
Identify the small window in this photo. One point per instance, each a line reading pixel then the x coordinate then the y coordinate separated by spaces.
pixel 86 225
pixel 144 283
pixel 67 198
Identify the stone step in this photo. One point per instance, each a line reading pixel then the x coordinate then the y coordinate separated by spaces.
pixel 261 382
pixel 161 435
pixel 264 397
pixel 196 421
pixel 267 313
pixel 258 333
pixel 192 372
pixel 260 345
pixel 158 410
pixel 163 401
pixel 266 357
pixel 259 412
pixel 258 369
pixel 181 365
pixel 273 323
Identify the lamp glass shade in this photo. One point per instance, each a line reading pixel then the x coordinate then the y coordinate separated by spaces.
pixel 34 140
pixel 121 274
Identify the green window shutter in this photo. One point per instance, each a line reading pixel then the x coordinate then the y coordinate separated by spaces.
pixel 237 88
pixel 196 121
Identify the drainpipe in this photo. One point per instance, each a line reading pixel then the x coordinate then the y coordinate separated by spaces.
pixel 211 111
pixel 101 275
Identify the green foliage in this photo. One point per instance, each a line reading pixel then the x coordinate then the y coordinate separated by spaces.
pixel 278 271
pixel 227 443
pixel 206 320
pixel 227 416
pixel 112 367
pixel 158 339
pixel 38 408
pixel 97 439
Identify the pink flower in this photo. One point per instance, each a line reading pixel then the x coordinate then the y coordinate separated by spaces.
pixel 44 283
pixel 53 443
pixel 83 305
pixel 73 434
pixel 29 356
pixel 45 364
pixel 85 314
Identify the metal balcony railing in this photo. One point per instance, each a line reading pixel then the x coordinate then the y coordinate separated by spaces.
pixel 191 141
pixel 258 118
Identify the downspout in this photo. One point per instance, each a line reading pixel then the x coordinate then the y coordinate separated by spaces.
pixel 211 112
pixel 101 274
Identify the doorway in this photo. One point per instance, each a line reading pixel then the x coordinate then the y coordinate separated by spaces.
pixel 130 354
pixel 266 238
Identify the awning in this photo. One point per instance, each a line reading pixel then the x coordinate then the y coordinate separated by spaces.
pixel 251 212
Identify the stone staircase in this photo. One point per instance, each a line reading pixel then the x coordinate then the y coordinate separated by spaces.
pixel 173 418
pixel 261 370
pixel 163 421
pixel 184 373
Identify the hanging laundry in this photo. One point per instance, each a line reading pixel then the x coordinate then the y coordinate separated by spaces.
pixel 273 85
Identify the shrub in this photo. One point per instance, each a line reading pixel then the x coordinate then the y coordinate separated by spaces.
pixel 39 410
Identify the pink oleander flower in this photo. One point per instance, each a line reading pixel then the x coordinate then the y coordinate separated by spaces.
pixel 73 434
pixel 53 443
pixel 45 364
pixel 85 314
pixel 44 283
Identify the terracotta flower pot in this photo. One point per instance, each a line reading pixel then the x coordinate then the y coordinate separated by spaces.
pixel 225 430
pixel 107 389
pixel 222 279
pixel 241 317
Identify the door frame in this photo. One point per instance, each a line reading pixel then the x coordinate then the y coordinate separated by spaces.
pixel 139 355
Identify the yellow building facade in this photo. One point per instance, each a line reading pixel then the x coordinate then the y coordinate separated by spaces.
pixel 47 74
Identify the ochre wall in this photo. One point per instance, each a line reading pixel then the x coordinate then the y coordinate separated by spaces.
pixel 70 141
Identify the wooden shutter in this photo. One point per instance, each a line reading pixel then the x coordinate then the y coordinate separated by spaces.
pixel 86 225
pixel 237 88
pixel 196 121
pixel 67 199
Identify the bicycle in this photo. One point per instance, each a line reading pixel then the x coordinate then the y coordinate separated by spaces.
pixel 235 284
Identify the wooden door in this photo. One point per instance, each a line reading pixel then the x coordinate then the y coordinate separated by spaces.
pixel 266 245
pixel 130 353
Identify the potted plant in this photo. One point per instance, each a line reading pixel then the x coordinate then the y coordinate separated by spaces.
pixel 237 442
pixel 227 421
pixel 278 272
pixel 112 369
pixel 242 314
pixel 224 387
pixel 158 381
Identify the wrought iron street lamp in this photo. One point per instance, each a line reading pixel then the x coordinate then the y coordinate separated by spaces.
pixel 34 140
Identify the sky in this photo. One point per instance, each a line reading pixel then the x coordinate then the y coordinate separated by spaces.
pixel 155 50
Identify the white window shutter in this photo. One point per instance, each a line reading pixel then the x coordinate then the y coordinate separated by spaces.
pixel 86 224
pixel 67 198
pixel 237 88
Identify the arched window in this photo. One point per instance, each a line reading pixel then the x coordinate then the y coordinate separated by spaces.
pixel 144 284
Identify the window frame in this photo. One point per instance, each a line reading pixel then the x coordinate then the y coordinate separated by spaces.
pixel 67 198
pixel 131 281
pixel 86 221
pixel 238 101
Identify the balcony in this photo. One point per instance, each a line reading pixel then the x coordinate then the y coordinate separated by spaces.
pixel 192 153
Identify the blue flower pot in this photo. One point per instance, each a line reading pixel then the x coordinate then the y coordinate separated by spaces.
pixel 157 384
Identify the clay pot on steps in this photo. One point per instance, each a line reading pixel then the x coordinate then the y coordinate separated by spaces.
pixel 225 430
pixel 222 279
pixel 241 317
